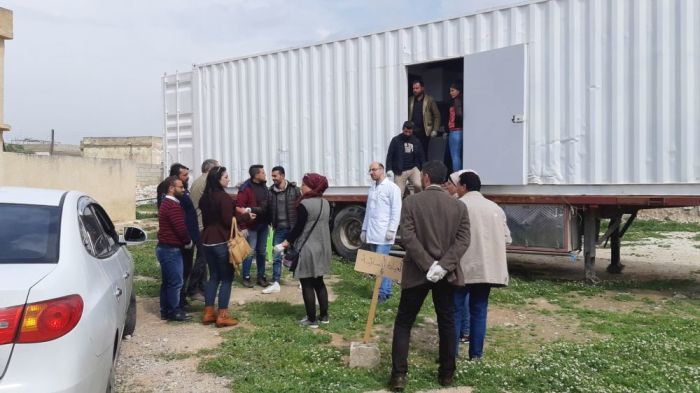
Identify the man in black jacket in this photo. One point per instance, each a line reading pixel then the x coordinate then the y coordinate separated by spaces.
pixel 283 214
pixel 405 158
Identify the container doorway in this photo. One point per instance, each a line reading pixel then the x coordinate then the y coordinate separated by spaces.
pixel 437 77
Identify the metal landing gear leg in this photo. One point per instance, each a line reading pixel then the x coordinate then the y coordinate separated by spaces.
pixel 615 266
pixel 591 225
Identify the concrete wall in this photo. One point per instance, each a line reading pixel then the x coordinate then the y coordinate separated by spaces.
pixel 111 182
pixel 5 34
pixel 139 149
pixel 148 174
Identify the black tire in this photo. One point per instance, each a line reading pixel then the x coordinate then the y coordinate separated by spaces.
pixel 130 323
pixel 347 227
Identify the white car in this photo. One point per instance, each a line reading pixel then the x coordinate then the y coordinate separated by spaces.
pixel 66 292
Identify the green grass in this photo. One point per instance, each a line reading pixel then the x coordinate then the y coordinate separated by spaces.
pixel 653 346
pixel 146 211
pixel 654 229
pixel 627 351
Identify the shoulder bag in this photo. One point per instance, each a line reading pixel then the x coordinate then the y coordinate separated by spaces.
pixel 238 247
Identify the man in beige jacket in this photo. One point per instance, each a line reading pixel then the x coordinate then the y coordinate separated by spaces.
pixel 424 113
pixel 435 233
pixel 484 264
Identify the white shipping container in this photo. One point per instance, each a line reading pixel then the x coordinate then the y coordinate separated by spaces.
pixel 608 90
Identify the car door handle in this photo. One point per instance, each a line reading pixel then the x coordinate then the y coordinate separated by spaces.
pixel 126 275
pixel 118 292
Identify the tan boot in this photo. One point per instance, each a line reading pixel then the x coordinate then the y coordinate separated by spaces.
pixel 209 316
pixel 223 319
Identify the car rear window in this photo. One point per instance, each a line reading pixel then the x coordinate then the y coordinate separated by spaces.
pixel 29 233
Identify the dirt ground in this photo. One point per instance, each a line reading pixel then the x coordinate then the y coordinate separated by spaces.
pixel 156 358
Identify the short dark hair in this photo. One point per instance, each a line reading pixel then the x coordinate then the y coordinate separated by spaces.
pixel 407 124
pixel 208 164
pixel 470 180
pixel 254 170
pixel 419 81
pixel 279 169
pixel 163 187
pixel 176 168
pixel 436 171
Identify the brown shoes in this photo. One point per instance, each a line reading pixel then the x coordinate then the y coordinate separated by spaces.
pixel 223 320
pixel 209 316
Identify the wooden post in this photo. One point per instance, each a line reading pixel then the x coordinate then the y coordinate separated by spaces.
pixel 372 308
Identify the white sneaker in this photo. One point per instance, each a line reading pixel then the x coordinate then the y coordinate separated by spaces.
pixel 274 288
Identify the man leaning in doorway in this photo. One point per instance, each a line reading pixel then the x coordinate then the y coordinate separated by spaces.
pixel 382 217
pixel 424 113
pixel 404 159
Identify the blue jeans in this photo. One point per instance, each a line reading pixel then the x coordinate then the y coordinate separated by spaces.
pixel 258 242
pixel 478 304
pixel 170 259
pixel 455 143
pixel 279 236
pixel 461 302
pixel 385 289
pixel 220 273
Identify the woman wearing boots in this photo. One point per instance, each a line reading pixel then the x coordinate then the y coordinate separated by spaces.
pixel 311 237
pixel 217 212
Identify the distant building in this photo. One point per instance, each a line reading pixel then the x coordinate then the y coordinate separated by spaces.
pixel 5 34
pixel 144 151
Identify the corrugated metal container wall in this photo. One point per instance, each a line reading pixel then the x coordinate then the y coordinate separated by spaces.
pixel 612 93
pixel 178 115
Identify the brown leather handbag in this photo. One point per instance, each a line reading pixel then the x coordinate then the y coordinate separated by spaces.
pixel 238 247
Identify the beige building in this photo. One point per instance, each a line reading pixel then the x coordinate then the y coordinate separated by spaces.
pixel 5 34
pixel 146 152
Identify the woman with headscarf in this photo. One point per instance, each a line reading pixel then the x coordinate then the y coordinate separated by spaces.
pixel 311 237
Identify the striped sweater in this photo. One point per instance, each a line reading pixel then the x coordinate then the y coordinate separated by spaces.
pixel 172 230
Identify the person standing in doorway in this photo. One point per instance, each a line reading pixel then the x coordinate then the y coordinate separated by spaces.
pixel 173 237
pixel 435 234
pixel 283 214
pixel 405 158
pixel 382 216
pixel 195 284
pixel 484 264
pixel 454 125
pixel 183 173
pixel 253 197
pixel 424 113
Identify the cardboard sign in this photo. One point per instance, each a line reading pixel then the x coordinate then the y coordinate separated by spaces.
pixel 379 264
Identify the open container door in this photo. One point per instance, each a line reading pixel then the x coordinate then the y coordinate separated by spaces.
pixel 494 115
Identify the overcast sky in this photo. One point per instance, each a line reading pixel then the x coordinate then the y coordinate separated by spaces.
pixel 94 67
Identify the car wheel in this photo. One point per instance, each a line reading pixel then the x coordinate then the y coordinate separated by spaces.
pixel 130 322
pixel 347 227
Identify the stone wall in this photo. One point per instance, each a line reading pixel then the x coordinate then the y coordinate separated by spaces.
pixel 138 149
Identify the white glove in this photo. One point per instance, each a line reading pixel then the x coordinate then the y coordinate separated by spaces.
pixel 363 237
pixel 436 272
pixel 390 174
pixel 189 245
pixel 247 210
pixel 390 235
pixel 278 248
pixel 433 134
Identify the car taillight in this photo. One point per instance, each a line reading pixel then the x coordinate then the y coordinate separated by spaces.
pixel 50 319
pixel 10 318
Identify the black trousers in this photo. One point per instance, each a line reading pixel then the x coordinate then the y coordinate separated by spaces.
pixel 198 274
pixel 409 306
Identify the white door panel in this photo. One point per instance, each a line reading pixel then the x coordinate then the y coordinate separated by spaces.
pixel 494 115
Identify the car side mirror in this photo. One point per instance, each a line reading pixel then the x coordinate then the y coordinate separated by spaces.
pixel 133 236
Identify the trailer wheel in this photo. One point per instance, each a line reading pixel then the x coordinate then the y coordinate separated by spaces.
pixel 347 227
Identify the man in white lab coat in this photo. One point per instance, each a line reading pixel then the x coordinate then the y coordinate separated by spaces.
pixel 382 217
